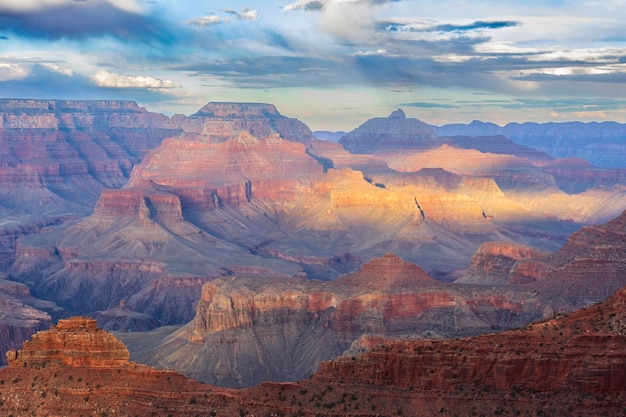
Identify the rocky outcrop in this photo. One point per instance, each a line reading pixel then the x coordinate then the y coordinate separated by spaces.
pixel 575 176
pixel 22 315
pixel 221 121
pixel 566 358
pixel 395 133
pixel 573 365
pixel 76 368
pixel 89 346
pixel 504 263
pixel 295 324
pixel 587 269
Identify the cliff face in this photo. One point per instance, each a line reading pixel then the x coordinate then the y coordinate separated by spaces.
pixel 588 268
pixel 76 368
pixel 90 346
pixel 295 324
pixel 571 365
pixel 581 354
pixel 221 121
pixel 21 316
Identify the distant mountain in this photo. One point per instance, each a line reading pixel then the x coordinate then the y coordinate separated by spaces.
pixel 132 214
pixel 603 144
pixel 328 135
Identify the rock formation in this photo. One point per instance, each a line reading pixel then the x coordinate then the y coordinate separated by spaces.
pixel 21 315
pixel 570 365
pixel 602 144
pixel 295 324
pixel 391 134
pixel 240 190
pixel 588 268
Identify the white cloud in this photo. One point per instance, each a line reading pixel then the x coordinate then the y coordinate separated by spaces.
pixel 246 14
pixel 29 5
pixel 9 72
pixel 111 80
pixel 57 68
pixel 206 20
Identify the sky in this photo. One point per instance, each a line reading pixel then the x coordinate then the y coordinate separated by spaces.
pixel 331 63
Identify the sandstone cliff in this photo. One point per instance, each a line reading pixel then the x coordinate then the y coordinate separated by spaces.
pixel 587 269
pixel 251 330
pixel 573 365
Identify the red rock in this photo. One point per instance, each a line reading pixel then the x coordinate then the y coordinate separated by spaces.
pixel 564 366
pixel 298 323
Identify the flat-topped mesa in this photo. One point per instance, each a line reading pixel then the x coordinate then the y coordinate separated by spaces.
pixel 74 342
pixel 221 121
pixel 393 133
pixel 231 110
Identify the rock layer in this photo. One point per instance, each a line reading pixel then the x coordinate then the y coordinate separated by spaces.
pixel 574 365
pixel 295 324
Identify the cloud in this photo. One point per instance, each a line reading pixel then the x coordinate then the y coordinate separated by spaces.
pixel 316 5
pixel 55 20
pixel 308 5
pixel 3 38
pixel 214 19
pixel 423 105
pixel 205 20
pixel 111 80
pixel 10 71
pixel 246 14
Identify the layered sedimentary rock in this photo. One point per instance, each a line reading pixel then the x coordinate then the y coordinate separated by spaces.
pixel 588 268
pixel 292 325
pixel 89 346
pixel 221 121
pixel 578 362
pixel 76 368
pixel 602 144
pixel 574 365
pixel 499 263
pixel 22 315
pixel 391 134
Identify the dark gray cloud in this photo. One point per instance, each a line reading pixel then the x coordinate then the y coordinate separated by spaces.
pixel 79 20
pixel 310 6
pixel 475 26
pixel 395 26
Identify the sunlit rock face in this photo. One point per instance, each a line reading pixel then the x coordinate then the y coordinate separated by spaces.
pixel 292 325
pixel 221 121
pixel 88 346
pixel 577 361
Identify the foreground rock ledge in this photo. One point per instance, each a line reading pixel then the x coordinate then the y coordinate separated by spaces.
pixel 567 366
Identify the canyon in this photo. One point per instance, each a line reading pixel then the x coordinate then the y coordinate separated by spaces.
pixel 239 227
pixel 250 330
pixel 568 365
